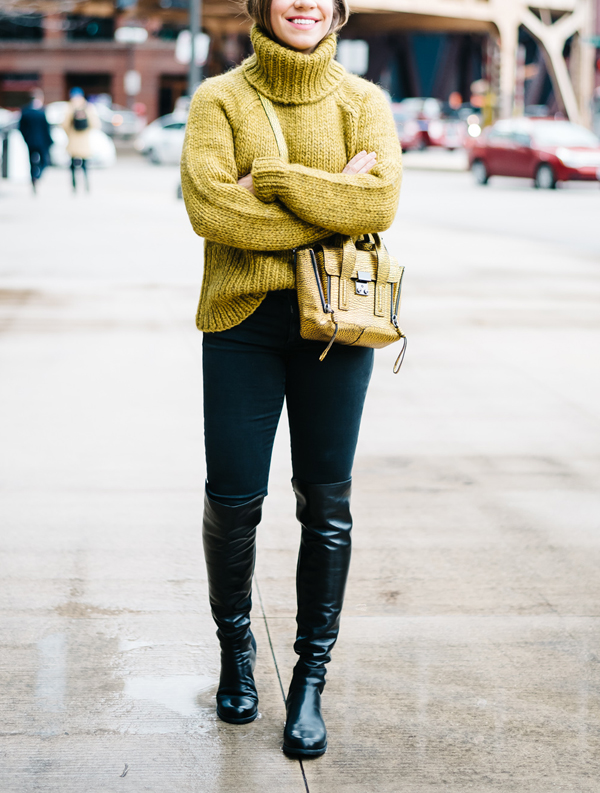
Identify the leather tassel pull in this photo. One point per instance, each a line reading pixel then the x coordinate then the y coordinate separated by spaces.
pixel 329 346
pixel 400 358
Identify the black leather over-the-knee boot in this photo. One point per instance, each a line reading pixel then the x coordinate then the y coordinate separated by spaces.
pixel 324 512
pixel 229 535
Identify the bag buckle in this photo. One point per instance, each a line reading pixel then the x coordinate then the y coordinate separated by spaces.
pixel 362 283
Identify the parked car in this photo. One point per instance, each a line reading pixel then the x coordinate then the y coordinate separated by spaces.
pixel 426 108
pixel 162 140
pixel 596 112
pixel 420 122
pixel 545 150
pixel 9 119
pixel 412 117
pixel 448 133
pixel 144 141
pixel 119 122
pixel 411 133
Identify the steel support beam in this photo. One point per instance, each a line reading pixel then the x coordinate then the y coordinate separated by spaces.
pixel 573 88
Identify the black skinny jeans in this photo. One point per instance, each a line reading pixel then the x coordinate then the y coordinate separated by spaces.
pixel 248 371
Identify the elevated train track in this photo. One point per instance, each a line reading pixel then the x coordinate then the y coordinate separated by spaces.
pixel 551 22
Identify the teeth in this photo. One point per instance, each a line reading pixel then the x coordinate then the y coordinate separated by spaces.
pixel 303 21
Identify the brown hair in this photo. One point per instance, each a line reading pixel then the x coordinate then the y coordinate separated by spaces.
pixel 260 12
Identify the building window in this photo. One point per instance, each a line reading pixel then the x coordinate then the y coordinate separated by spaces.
pixel 99 28
pixel 169 32
pixel 21 26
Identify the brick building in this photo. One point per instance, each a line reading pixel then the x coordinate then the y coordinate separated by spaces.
pixel 416 47
pixel 65 43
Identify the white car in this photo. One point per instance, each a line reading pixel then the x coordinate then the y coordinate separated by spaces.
pixel 162 140
pixel 56 112
pixel 8 118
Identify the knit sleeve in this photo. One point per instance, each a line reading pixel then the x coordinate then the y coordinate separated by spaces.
pixel 348 204
pixel 219 209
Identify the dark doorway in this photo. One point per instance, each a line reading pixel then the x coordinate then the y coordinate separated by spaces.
pixel 91 83
pixel 170 88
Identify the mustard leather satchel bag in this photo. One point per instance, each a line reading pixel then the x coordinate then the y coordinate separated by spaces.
pixel 348 290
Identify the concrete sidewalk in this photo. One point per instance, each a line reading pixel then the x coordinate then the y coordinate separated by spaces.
pixel 468 656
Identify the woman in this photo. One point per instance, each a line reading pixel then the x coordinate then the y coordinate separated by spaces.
pixel 253 208
pixel 80 119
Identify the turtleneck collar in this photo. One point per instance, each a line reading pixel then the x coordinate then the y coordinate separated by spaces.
pixel 289 77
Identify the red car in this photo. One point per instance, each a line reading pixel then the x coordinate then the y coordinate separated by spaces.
pixel 545 150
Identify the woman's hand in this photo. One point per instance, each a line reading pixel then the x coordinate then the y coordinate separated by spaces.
pixel 361 163
pixel 246 181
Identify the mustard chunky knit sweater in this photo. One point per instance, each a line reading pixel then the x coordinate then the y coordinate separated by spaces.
pixel 327 116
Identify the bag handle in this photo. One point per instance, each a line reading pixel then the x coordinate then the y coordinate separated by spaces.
pixel 275 126
pixel 348 264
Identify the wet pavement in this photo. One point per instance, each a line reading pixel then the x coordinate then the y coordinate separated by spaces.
pixel 469 653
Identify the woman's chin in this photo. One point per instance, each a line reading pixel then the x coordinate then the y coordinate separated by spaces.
pixel 300 40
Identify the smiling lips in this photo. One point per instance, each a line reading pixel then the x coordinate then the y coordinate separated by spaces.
pixel 303 22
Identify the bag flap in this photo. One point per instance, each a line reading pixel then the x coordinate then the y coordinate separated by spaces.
pixel 366 262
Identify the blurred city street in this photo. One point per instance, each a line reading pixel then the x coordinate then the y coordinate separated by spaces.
pixel 469 653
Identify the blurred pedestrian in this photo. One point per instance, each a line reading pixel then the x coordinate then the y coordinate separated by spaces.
pixel 254 207
pixel 81 118
pixel 35 130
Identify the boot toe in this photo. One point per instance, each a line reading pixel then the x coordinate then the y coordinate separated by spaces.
pixel 237 709
pixel 305 740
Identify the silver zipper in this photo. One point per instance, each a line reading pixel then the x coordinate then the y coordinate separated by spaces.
pixel 324 304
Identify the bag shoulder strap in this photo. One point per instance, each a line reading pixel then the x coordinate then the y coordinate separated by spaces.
pixel 275 126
